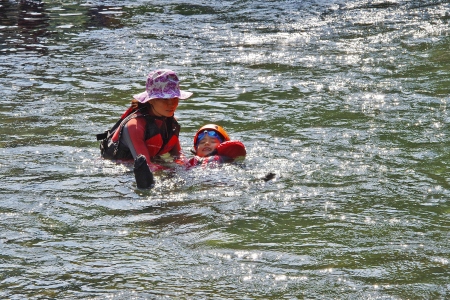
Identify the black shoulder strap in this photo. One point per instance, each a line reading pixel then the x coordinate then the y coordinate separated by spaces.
pixel 151 128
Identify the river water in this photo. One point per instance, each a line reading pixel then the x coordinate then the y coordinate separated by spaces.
pixel 346 102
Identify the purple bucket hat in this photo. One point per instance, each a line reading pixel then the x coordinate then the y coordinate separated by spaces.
pixel 162 84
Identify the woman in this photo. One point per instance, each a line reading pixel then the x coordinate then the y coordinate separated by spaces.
pixel 148 128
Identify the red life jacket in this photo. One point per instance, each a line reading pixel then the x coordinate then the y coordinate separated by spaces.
pixel 161 135
pixel 208 160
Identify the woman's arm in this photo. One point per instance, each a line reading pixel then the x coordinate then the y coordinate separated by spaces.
pixel 136 129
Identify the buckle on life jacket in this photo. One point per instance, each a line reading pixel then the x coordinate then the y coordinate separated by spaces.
pixel 102 136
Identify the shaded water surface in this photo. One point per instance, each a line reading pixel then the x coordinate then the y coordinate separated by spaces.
pixel 344 101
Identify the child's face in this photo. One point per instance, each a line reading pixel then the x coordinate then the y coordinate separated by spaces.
pixel 207 145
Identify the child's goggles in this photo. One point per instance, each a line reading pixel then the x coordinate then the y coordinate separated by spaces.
pixel 211 133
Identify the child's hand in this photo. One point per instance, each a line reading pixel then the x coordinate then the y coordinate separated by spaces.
pixel 231 149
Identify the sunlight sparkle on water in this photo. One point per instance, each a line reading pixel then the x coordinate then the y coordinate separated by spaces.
pixel 344 101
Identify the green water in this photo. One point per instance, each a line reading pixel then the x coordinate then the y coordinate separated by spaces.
pixel 344 101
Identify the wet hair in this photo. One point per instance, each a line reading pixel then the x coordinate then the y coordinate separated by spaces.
pixel 136 104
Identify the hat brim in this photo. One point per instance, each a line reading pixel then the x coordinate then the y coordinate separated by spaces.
pixel 144 96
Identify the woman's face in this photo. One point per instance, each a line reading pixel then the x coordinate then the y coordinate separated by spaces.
pixel 207 145
pixel 164 107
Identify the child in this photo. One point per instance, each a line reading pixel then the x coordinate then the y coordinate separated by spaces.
pixel 148 128
pixel 213 145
